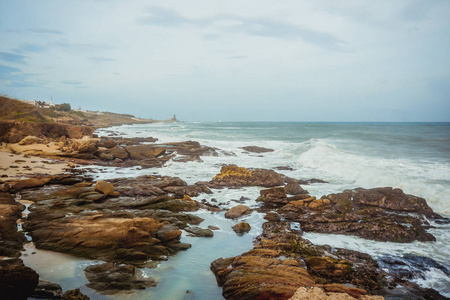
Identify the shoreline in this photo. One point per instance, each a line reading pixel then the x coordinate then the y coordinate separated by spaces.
pixel 177 193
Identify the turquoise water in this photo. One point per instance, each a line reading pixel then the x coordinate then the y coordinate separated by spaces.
pixel 411 156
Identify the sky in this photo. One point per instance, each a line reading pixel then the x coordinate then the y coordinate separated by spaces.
pixel 253 60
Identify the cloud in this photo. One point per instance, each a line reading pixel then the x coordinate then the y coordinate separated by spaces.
pixel 45 31
pixel 101 59
pixel 14 77
pixel 79 47
pixel 12 57
pixel 418 10
pixel 25 48
pixel 72 82
pixel 165 17
pixel 237 57
pixel 265 27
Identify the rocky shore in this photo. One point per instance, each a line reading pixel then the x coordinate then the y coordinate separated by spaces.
pixel 131 223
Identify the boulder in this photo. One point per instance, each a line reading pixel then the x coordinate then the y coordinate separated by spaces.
pixel 17 282
pixel 392 199
pixel 104 236
pixel 259 275
pixel 75 294
pixel 29 140
pixel 377 214
pixel 104 187
pixel 109 144
pixel 234 176
pixel 319 293
pixel 119 152
pixel 29 183
pixel 111 278
pixel 241 228
pixel 11 240
pixel 238 211
pixel 105 156
pixel 144 151
pixel 87 146
pixel 256 149
pixel 47 290
pixel 200 232
pixel 294 188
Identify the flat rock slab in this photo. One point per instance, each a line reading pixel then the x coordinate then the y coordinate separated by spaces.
pixel 110 278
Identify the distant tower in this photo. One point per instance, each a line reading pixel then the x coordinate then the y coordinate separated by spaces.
pixel 174 117
pixel 51 100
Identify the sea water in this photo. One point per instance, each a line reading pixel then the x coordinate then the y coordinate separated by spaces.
pixel 412 156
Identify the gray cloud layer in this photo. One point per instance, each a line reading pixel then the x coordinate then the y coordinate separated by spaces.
pixel 265 27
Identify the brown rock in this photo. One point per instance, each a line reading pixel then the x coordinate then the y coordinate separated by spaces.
pixel 88 146
pixel 103 237
pixel 74 295
pixel 29 140
pixel 234 176
pixel 319 204
pixel 47 290
pixel 11 240
pixel 373 214
pixel 394 199
pixel 110 278
pixel 328 268
pixel 105 156
pixel 104 187
pixel 17 282
pixel 144 151
pixel 257 149
pixel 109 144
pixel 200 232
pixel 238 211
pixel 119 152
pixel 259 275
pixel 317 293
pixel 30 183
pixel 294 188
pixel 242 228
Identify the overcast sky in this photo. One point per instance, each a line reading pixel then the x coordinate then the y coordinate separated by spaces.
pixel 286 60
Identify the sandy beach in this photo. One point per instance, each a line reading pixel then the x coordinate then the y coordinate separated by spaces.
pixel 14 166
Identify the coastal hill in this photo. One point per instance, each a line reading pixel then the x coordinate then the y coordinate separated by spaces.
pixel 18 110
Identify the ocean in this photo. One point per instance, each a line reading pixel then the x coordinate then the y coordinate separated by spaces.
pixel 412 156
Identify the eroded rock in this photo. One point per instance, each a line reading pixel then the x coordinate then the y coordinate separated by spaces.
pixel 111 278
pixel 238 211
pixel 382 214
pixel 234 176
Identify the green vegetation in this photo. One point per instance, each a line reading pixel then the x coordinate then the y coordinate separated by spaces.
pixel 16 110
pixel 63 107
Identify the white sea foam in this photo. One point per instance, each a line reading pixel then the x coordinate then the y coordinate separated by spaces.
pixel 355 170
pixel 346 156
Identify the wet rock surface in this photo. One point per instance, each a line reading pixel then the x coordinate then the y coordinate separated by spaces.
pixel 382 214
pixel 200 232
pixel 74 295
pixel 47 290
pixel 233 176
pixel 16 280
pixel 282 261
pixel 110 278
pixel 238 211
pixel 278 265
pixel 11 240
pixel 257 149
pixel 142 222
pixel 241 228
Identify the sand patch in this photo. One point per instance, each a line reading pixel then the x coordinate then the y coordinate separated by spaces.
pixel 16 166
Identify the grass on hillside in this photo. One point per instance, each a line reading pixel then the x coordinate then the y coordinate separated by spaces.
pixel 16 110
